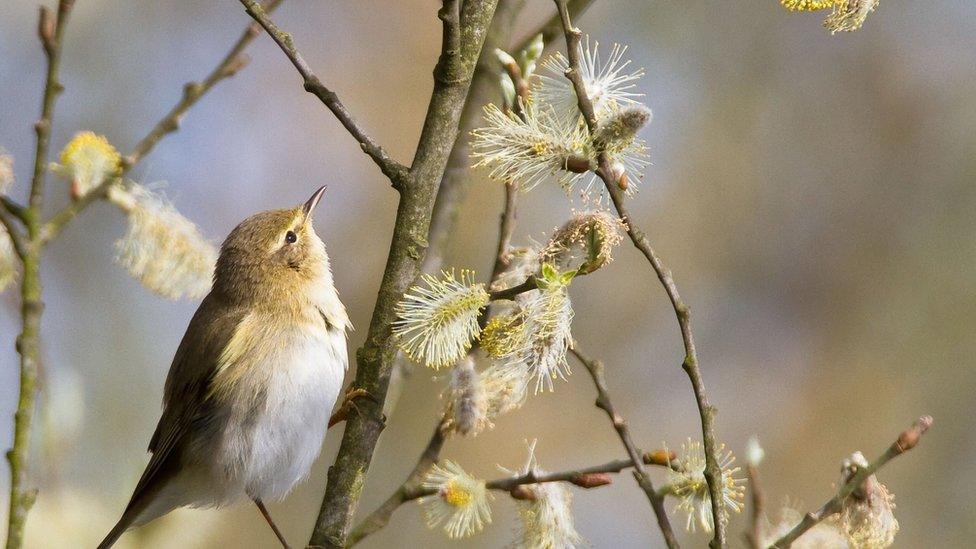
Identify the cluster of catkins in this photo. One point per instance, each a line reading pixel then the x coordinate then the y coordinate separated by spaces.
pixel 162 249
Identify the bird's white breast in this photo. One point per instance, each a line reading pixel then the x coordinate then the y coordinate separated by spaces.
pixel 273 448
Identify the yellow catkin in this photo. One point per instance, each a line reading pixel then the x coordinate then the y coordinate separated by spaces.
pixel 807 5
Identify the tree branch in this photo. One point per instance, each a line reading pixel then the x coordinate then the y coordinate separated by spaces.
pixel 907 440
pixel 396 172
pixel 596 370
pixel 231 64
pixel 713 474
pixel 18 211
pixel 51 32
pixel 452 79
pixel 456 181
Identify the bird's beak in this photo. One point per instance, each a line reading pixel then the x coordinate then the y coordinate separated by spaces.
pixel 309 206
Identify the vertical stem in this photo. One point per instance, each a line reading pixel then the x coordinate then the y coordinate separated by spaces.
pixel 51 32
pixel 28 345
pixel 465 27
pixel 597 373
pixel 713 473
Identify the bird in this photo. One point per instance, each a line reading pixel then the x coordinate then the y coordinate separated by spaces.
pixel 249 393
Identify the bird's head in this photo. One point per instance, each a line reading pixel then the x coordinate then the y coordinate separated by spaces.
pixel 273 254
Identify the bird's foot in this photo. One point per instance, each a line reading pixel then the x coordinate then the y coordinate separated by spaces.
pixel 348 404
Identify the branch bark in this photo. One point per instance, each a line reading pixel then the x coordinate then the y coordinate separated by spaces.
pixel 713 474
pixel 596 370
pixel 907 440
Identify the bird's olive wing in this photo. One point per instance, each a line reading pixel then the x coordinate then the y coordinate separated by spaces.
pixel 188 383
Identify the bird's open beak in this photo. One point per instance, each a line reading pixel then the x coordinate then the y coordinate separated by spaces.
pixel 309 206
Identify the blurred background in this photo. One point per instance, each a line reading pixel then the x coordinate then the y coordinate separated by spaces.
pixel 814 196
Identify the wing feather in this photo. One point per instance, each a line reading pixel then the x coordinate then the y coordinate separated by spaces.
pixel 185 398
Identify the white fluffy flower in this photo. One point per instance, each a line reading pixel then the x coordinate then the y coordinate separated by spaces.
pixel 538 334
pixel 505 388
pixel 460 501
pixel 548 319
pixel 531 151
pixel 162 249
pixel 547 520
pixel 687 481
pixel 437 323
pixel 609 84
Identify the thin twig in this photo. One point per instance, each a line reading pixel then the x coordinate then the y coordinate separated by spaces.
pixel 51 32
pixel 231 64
pixel 396 172
pixel 596 370
pixel 11 206
pixel 907 440
pixel 713 473
pixel 757 507
pixel 585 477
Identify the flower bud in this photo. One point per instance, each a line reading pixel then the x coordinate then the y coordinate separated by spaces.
pixel 86 161
pixel 585 242
pixel 617 132
pixel 467 402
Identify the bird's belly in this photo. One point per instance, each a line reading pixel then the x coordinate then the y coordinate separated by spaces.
pixel 275 445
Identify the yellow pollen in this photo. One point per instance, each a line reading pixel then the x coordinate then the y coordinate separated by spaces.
pixel 86 145
pixel 540 148
pixel 807 5
pixel 455 495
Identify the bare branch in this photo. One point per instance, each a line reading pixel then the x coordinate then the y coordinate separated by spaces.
pixel 596 370
pixel 907 440
pixel 51 33
pixel 396 172
pixel 12 207
pixel 713 474
pixel 231 64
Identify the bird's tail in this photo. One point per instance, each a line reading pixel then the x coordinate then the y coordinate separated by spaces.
pixel 116 532
pixel 131 517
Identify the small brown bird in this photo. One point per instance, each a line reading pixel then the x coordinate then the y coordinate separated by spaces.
pixel 249 393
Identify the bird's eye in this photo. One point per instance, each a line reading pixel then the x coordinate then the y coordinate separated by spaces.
pixel 291 237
